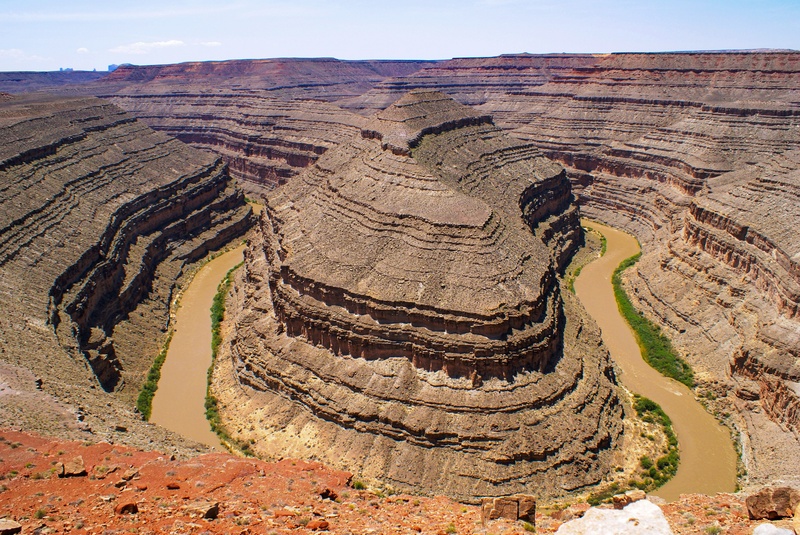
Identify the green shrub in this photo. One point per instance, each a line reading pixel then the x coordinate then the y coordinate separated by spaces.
pixel 655 474
pixel 145 400
pixel 358 485
pixel 656 348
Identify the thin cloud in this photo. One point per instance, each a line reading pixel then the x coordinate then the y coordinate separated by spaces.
pixel 82 50
pixel 142 47
pixel 211 43
pixel 19 54
pixel 103 16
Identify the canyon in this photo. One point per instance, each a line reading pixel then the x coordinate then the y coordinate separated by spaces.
pixel 693 153
pixel 696 154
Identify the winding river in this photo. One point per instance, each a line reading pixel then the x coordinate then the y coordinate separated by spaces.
pixel 708 459
pixel 179 402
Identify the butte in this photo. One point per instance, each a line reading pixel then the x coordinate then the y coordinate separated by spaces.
pixel 399 315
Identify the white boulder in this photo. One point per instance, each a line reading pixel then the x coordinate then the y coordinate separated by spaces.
pixel 642 517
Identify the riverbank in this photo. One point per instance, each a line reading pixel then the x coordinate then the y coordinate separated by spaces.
pixel 708 458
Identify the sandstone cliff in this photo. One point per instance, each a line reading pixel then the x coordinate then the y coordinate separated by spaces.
pixel 400 315
pixel 99 215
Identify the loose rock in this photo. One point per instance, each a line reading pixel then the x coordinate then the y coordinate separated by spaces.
pixel 73 468
pixel 317 525
pixel 769 529
pixel 622 500
pixel 204 509
pixel 520 507
pixel 126 508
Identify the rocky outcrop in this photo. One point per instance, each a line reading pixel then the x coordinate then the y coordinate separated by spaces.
pixel 399 317
pixel 638 518
pixel 99 215
pixel 286 495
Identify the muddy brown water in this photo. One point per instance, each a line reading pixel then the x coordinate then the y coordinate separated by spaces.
pixel 708 459
pixel 179 402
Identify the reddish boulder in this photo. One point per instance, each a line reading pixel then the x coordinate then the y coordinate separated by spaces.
pixel 318 525
pixel 772 503
pixel 126 508
pixel 329 494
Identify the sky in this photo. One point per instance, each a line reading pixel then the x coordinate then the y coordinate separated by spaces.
pixel 42 35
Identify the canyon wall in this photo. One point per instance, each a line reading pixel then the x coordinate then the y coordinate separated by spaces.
pixel 696 154
pixel 28 82
pixel 268 119
pixel 264 140
pixel 99 217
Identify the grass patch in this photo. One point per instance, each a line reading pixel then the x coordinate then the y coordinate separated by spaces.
pixel 656 348
pixel 211 403
pixel 145 400
pixel 652 474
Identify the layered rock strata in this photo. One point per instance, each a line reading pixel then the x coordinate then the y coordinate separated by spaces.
pixel 326 79
pixel 265 141
pixel 99 215
pixel 400 315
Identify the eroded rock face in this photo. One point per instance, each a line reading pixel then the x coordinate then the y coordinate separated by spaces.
pixel 99 214
pixel 268 119
pixel 400 315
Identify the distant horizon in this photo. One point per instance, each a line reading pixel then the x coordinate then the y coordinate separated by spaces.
pixel 509 54
pixel 46 35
